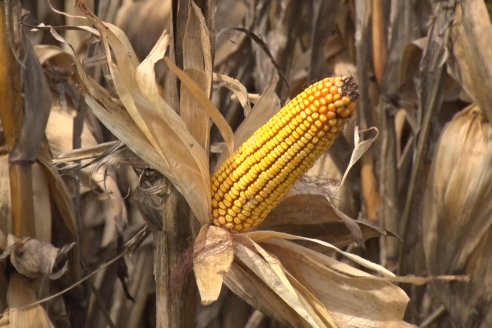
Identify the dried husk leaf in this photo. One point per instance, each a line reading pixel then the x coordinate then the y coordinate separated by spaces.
pixel 351 296
pixel 20 293
pixel 313 216
pixel 237 88
pixel 262 236
pixel 59 193
pixel 471 49
pixel 457 217
pixel 197 64
pixel 270 272
pixel 212 257
pixel 242 282
pixel 205 103
pixel 34 259
pixel 36 108
pixel 173 151
pixel 322 291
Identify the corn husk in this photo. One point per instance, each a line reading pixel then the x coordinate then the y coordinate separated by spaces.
pixel 457 218
pixel 19 293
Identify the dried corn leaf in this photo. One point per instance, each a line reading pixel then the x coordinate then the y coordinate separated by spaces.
pixel 269 272
pixel 322 291
pixel 457 217
pixel 470 28
pixel 351 296
pixel 262 236
pixel 360 147
pixel 197 64
pixel 314 216
pixel 237 88
pixel 173 151
pixel 36 108
pixel 205 103
pixel 212 258
pixel 20 293
pixel 242 282
pixel 59 193
pixel 35 259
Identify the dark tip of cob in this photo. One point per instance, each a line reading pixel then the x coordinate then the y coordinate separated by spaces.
pixel 350 88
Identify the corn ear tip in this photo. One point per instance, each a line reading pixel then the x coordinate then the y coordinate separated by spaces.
pixel 350 88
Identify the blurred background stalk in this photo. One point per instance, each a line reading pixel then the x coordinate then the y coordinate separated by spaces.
pixel 11 113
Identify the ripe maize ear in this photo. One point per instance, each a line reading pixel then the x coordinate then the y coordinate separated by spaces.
pixel 256 177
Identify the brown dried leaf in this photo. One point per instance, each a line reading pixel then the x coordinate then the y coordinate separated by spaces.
pixel 173 151
pixel 352 297
pixel 203 100
pixel 321 291
pixel 197 64
pixel 237 88
pixel 37 104
pixel 19 293
pixel 269 270
pixel 314 216
pixel 361 145
pixel 59 193
pixel 242 282
pixel 457 217
pixel 212 257
pixel 471 51
pixel 35 259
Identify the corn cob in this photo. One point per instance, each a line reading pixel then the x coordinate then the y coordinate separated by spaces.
pixel 256 177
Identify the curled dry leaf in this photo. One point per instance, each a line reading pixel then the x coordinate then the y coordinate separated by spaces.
pixel 212 257
pixel 35 259
pixel 319 290
pixel 145 122
pixel 237 88
pixel 457 217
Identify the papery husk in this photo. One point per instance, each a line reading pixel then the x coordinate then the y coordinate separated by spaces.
pixel 305 288
pixel 212 258
pixel 470 48
pixel 35 259
pixel 315 216
pixel 143 120
pixel 19 293
pixel 457 217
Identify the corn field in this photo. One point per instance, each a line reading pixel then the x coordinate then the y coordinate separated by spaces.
pixel 249 163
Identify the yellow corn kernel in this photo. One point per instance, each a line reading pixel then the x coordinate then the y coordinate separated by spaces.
pixel 256 177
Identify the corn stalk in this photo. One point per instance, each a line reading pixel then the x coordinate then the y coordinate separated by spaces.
pixel 12 117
